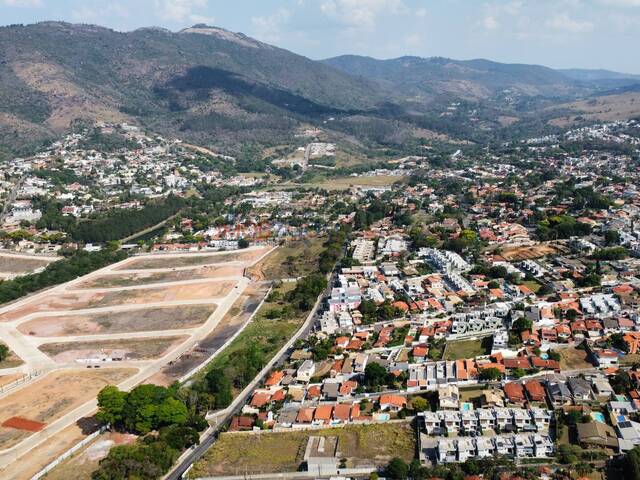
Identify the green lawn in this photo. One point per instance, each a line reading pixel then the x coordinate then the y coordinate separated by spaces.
pixel 532 285
pixel 467 349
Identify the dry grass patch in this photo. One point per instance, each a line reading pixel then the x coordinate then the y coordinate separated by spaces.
pixel 527 253
pixel 12 264
pixel 11 361
pixel 283 452
pixel 572 358
pixel 293 259
pixel 140 320
pixel 193 260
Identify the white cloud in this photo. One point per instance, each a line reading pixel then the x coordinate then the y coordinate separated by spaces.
pixel 87 14
pixel 621 3
pixel 489 22
pixel 562 22
pixel 268 28
pixel 361 13
pixel 421 12
pixel 181 11
pixel 413 40
pixel 21 3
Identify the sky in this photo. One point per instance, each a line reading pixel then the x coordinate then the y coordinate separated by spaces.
pixel 556 33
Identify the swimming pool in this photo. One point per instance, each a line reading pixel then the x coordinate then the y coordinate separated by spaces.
pixel 598 417
pixel 466 406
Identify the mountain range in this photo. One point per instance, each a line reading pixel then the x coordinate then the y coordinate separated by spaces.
pixel 225 90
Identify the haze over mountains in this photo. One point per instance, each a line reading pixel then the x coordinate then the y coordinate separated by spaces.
pixel 219 88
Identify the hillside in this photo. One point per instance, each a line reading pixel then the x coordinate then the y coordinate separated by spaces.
pixel 202 81
pixel 469 79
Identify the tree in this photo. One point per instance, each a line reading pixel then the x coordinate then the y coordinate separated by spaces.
pixel 490 374
pixel 4 352
pixel 521 324
pixel 375 375
pixel 419 404
pixel 172 411
pixel 397 469
pixel 220 385
pixel 111 403
pixel 242 243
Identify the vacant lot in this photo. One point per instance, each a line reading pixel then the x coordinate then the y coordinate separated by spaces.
pixel 572 358
pixel 525 253
pixel 292 260
pixel 11 361
pixel 135 349
pixel 54 395
pixel 161 261
pixel 141 320
pixel 131 279
pixel 467 349
pixel 361 445
pixel 12 264
pixel 344 183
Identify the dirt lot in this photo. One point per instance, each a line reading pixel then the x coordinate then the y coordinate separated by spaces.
pixel 142 320
pixel 525 253
pixel 238 315
pixel 80 301
pixel 81 465
pixel 11 361
pixel 12 264
pixel 126 280
pixel 294 259
pixel 7 379
pixel 572 358
pixel 235 454
pixel 54 395
pixel 190 261
pixel 344 183
pixel 135 349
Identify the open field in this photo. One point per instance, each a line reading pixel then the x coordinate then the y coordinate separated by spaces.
pixel 236 317
pixel 12 265
pixel 605 108
pixel 292 260
pixel 360 445
pixel 467 349
pixel 135 349
pixel 344 183
pixel 147 278
pixel 161 261
pixel 141 320
pixel 526 253
pixel 65 390
pixel 572 358
pixel 532 285
pixel 7 379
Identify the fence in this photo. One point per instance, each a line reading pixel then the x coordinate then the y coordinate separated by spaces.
pixel 67 454
pixel 5 389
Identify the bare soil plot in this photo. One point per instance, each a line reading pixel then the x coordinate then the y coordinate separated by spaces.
pixel 187 260
pixel 360 445
pixel 345 183
pixel 135 349
pixel 140 320
pixel 20 423
pixel 53 396
pixel 127 280
pixel 11 361
pixel 292 260
pixel 526 253
pixel 7 379
pixel 12 264
pixel 81 465
pixel 235 318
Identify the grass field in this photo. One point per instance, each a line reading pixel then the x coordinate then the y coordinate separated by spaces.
pixel 572 358
pixel 344 183
pixel 467 349
pixel 532 285
pixel 190 260
pixel 11 264
pixel 360 445
pixel 292 260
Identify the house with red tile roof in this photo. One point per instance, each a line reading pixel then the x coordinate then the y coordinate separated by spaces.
pixel 393 403
pixel 323 414
pixel 535 391
pixel 274 379
pixel 514 392
pixel 305 415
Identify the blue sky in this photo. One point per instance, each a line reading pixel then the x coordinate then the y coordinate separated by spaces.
pixel 557 33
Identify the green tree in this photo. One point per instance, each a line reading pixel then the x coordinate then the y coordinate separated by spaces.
pixel 490 374
pixel 172 412
pixel 397 469
pixel 111 402
pixel 419 404
pixel 4 352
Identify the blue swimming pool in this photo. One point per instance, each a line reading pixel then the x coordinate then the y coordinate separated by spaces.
pixel 598 417
pixel 466 406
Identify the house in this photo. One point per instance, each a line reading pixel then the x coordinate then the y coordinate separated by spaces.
pixel 542 446
pixel 514 392
pixel 484 447
pixel 541 418
pixel 431 422
pixel 559 393
pixel 342 412
pixel 523 446
pixel 393 403
pixel 305 415
pixel 601 387
pixel 323 414
pixel 535 390
pixel 605 358
pixel 596 434
pixel 580 388
pixel 306 371
pixel 448 397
